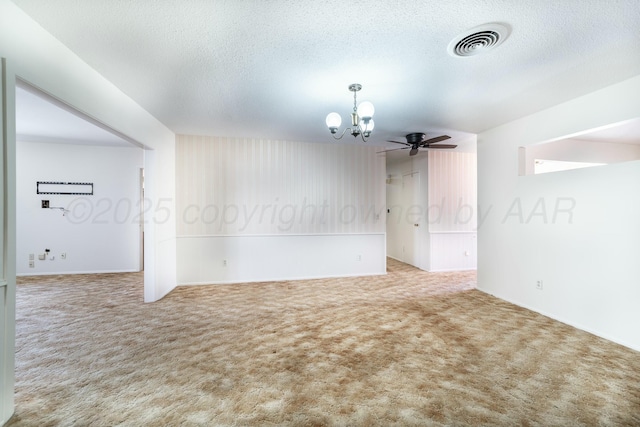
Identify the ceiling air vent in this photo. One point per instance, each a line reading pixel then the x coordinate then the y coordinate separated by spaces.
pixel 478 40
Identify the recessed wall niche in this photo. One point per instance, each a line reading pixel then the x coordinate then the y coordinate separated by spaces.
pixel 615 143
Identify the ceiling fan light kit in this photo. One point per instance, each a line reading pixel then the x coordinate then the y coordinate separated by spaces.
pixel 361 118
pixel 470 43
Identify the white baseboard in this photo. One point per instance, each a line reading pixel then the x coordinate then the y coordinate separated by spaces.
pixel 64 273
pixel 565 321
pixel 284 279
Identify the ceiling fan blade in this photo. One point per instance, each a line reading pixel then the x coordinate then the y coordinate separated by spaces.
pixel 398 142
pixel 413 151
pixel 434 140
pixel 441 146
pixel 394 149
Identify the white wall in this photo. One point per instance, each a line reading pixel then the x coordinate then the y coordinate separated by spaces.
pixel 446 206
pixel 42 61
pixel 100 233
pixel 278 210
pixel 577 230
pixel 257 258
pixel 453 221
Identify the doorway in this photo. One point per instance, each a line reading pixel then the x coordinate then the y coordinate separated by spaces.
pixel 97 231
pixel 410 224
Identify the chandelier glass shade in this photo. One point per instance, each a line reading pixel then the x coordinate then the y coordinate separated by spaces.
pixel 361 118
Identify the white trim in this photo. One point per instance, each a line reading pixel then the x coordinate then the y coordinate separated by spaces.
pixel 286 279
pixel 65 273
pixel 186 236
pixel 3 283
pixel 453 232
pixel 562 320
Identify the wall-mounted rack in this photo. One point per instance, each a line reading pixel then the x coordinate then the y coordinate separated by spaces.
pixel 65 188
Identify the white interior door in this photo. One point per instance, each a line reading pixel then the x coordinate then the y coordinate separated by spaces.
pixel 410 222
pixel 7 243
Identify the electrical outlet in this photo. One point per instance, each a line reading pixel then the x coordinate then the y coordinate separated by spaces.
pixel 32 257
pixel 32 264
pixel 539 284
pixel 224 262
pixel 358 257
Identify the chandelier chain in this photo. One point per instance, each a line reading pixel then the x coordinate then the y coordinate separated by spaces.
pixel 355 102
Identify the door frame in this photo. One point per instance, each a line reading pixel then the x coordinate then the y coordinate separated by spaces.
pixel 8 258
pixel 142 218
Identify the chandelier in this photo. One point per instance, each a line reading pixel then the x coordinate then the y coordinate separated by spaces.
pixel 361 118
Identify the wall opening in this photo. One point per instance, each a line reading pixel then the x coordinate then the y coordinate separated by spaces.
pixel 615 143
pixel 78 196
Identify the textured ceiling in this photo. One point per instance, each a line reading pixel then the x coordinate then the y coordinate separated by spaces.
pixel 274 69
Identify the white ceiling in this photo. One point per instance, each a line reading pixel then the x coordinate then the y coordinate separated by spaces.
pixel 274 69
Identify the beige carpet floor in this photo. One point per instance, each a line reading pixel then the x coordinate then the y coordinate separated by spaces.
pixel 408 348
